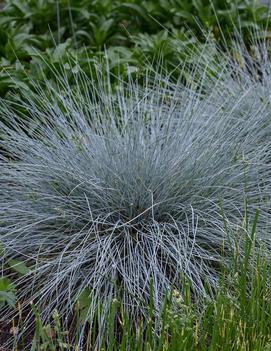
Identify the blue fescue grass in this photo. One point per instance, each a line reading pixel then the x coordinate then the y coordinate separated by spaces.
pixel 128 193
pixel 237 317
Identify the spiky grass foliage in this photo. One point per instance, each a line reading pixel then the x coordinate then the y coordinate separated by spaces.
pixel 125 193
pixel 240 68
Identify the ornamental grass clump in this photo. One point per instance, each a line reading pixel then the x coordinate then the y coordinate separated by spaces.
pixel 125 193
pixel 237 71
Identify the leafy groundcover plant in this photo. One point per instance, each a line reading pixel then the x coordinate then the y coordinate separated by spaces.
pixel 127 193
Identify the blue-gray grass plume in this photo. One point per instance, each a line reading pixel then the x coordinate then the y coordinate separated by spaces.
pixel 130 190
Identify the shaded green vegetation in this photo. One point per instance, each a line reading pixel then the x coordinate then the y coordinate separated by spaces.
pixel 133 32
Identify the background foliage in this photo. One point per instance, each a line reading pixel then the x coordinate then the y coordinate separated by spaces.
pixel 133 32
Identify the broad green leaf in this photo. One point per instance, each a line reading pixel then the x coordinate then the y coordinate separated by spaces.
pixel 5 284
pixel 8 297
pixel 84 298
pixel 18 267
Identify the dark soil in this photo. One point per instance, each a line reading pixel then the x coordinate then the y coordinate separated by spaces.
pixel 9 337
pixel 6 336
